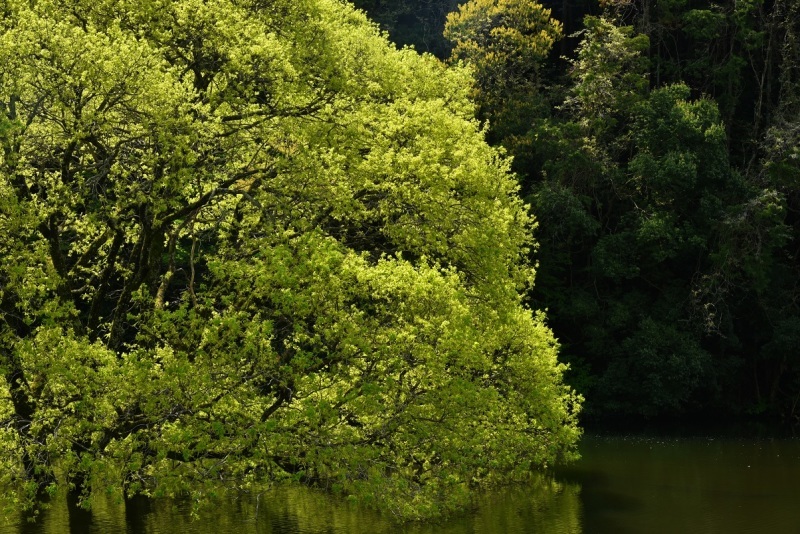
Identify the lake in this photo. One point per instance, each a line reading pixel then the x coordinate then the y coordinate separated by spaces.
pixel 621 485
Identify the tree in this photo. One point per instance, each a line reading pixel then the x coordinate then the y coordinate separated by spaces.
pixel 244 240
pixel 505 43
pixel 633 194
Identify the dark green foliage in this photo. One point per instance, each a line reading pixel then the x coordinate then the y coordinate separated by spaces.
pixel 662 254
pixel 417 23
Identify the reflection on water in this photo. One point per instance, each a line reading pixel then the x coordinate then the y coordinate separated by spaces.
pixel 622 485
pixel 545 506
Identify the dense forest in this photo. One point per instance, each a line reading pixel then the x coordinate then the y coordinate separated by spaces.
pixel 658 146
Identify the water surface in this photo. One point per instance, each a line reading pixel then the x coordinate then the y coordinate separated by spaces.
pixel 621 485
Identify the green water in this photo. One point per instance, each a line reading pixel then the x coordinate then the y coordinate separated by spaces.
pixel 622 485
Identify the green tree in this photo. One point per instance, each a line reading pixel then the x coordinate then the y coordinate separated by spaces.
pixel 634 189
pixel 505 43
pixel 247 240
pixel 609 79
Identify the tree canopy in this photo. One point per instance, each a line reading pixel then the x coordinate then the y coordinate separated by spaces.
pixel 247 239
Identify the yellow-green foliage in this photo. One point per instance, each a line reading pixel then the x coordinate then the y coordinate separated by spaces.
pixel 244 240
pixel 503 40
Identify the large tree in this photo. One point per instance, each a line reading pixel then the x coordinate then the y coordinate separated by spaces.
pixel 247 239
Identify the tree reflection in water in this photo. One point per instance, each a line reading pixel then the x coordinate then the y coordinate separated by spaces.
pixel 544 505
pixel 622 484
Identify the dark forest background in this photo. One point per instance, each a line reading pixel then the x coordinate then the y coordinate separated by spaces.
pixel 658 145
